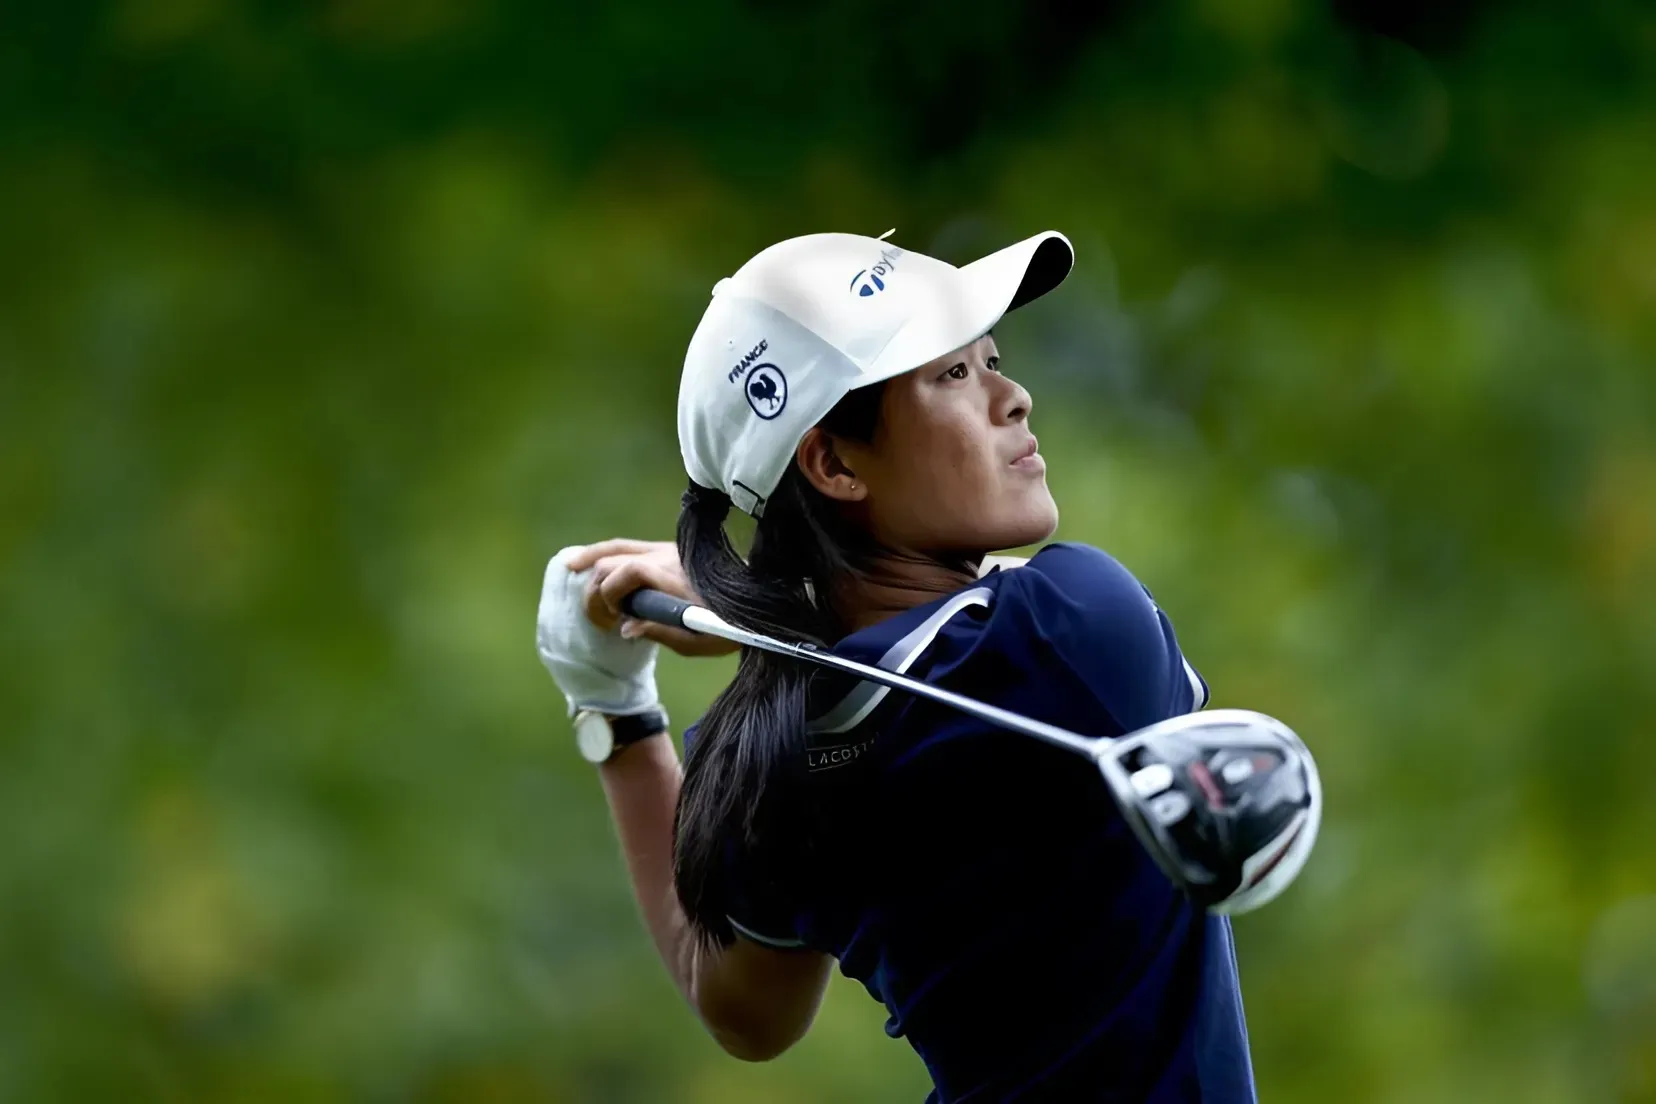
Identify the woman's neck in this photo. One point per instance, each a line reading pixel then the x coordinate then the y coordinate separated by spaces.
pixel 894 582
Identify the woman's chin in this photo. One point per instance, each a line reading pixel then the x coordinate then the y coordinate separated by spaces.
pixel 1036 520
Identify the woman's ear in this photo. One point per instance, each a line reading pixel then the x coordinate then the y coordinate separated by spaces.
pixel 820 462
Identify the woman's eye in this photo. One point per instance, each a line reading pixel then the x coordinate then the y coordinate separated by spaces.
pixel 994 363
pixel 959 371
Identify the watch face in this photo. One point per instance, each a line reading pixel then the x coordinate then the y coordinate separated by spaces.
pixel 593 736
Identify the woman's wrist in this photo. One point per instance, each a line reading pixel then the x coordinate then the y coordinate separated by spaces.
pixel 650 754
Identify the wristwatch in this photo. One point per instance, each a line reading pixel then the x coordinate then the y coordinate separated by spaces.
pixel 600 736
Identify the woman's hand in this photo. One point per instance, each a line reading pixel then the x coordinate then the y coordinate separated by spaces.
pixel 621 566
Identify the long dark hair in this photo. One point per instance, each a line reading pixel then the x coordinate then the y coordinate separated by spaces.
pixel 745 798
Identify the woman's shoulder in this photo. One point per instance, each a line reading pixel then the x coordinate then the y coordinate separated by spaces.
pixel 1087 609
pixel 1086 574
pixel 1073 552
pixel 1061 583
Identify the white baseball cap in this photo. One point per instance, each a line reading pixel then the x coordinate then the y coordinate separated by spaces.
pixel 812 318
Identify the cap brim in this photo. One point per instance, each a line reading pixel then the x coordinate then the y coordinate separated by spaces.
pixel 985 291
pixel 1025 271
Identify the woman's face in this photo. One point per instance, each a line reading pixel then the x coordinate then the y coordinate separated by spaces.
pixel 952 467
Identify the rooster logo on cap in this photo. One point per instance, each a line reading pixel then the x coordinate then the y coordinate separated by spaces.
pixel 767 390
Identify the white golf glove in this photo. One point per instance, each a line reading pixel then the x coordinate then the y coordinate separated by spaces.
pixel 595 669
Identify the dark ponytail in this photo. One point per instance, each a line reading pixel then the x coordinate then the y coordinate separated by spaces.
pixel 746 795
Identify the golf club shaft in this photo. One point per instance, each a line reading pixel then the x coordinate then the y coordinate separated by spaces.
pixel 664 609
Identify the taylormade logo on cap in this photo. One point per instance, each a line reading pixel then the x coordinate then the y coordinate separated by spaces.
pixel 810 338
pixel 871 280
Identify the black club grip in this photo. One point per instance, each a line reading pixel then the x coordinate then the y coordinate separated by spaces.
pixel 655 605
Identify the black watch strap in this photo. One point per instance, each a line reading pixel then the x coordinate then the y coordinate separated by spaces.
pixel 638 726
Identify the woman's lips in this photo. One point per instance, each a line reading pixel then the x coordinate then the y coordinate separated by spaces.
pixel 1029 458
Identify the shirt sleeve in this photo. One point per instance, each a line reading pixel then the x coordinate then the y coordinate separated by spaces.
pixel 754 914
pixel 759 916
pixel 1106 626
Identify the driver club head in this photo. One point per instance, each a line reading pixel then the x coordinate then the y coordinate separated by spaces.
pixel 1227 801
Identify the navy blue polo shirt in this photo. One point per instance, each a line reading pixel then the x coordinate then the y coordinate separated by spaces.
pixel 1000 908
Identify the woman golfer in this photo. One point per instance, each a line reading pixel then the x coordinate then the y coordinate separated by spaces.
pixel 850 396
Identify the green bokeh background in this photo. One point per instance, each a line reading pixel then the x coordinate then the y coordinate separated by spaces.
pixel 322 325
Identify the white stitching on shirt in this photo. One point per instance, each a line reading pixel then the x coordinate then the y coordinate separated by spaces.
pixel 860 702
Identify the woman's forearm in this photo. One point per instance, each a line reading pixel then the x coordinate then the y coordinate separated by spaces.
pixel 642 785
pixel 756 1002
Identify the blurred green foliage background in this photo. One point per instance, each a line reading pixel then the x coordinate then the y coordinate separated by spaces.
pixel 322 325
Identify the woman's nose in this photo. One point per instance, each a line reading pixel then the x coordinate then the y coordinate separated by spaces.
pixel 1014 403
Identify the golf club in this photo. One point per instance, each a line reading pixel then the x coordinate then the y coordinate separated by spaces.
pixel 1227 801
